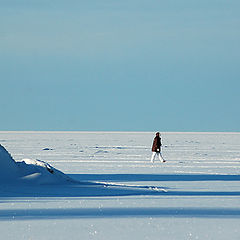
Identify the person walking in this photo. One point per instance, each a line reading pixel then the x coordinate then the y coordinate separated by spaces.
pixel 156 148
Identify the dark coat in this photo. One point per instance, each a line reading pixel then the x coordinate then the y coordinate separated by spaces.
pixel 156 147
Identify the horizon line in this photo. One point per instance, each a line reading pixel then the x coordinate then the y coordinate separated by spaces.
pixel 118 131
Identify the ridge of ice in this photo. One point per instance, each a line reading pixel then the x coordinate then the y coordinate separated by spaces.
pixel 29 171
pixel 8 167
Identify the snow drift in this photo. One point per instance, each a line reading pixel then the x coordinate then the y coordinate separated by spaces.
pixel 29 170
pixel 8 167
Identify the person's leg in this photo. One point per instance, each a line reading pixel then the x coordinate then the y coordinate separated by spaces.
pixel 153 156
pixel 160 157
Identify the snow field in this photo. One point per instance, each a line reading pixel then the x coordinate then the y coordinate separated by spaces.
pixel 201 179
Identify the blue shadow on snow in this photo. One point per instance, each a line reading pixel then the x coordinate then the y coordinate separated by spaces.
pixel 154 177
pixel 78 213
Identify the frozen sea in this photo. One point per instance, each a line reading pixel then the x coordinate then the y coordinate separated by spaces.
pixel 194 195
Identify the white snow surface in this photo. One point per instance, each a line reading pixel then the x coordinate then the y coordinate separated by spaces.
pixel 102 185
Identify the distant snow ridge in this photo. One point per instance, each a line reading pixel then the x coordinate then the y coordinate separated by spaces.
pixel 29 171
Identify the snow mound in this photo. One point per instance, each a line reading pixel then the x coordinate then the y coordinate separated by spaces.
pixel 29 171
pixel 8 167
pixel 37 171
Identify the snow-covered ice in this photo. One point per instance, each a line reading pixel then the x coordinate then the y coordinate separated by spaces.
pixel 102 185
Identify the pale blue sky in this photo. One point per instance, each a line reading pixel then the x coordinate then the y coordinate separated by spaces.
pixel 120 65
